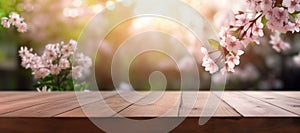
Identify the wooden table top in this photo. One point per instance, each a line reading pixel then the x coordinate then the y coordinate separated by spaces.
pixel 16 107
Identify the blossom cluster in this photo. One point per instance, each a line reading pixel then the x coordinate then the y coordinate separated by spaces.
pixel 55 64
pixel 16 20
pixel 247 27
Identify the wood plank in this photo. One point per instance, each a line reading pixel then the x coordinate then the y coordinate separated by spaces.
pixel 167 105
pixel 284 102
pixel 252 107
pixel 292 94
pixel 10 106
pixel 107 108
pixel 58 106
pixel 12 96
pixel 223 109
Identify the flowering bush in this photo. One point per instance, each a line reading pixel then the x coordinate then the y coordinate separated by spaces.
pixel 247 27
pixel 54 69
pixel 14 20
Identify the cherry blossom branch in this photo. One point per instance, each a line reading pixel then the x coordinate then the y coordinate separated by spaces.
pixel 278 16
pixel 14 20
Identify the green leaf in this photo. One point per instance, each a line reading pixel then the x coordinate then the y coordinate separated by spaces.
pixel 264 20
pixel 214 44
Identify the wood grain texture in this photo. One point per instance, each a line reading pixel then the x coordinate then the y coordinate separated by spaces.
pixel 107 108
pixel 10 106
pixel 33 112
pixel 167 106
pixel 223 109
pixel 281 101
pixel 292 94
pixel 252 107
pixel 50 109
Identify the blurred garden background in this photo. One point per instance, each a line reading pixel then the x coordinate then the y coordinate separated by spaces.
pixel 262 68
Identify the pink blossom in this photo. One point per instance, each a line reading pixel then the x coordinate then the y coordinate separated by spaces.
pixel 41 73
pixel 234 59
pixel 210 65
pixel 257 28
pixel 266 5
pixel 77 72
pixel 241 19
pixel 15 19
pixel 292 5
pixel 278 44
pixel 5 22
pixel 233 44
pixel 55 69
pixel 22 27
pixel 64 63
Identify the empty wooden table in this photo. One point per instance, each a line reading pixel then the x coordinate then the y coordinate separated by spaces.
pixel 60 112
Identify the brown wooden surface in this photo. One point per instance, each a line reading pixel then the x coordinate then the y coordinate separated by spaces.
pixel 61 112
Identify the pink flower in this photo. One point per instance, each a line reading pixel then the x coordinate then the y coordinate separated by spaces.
pixel 64 63
pixel 210 65
pixel 233 44
pixel 292 5
pixel 55 69
pixel 22 27
pixel 257 28
pixel 41 73
pixel 242 19
pixel 5 22
pixel 281 13
pixel 83 60
pixel 278 44
pixel 15 19
pixel 77 72
pixel 266 5
pixel 234 59
pixel 68 49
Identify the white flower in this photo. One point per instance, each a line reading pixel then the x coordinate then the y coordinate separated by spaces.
pixel 5 22
pixel 210 65
pixel 292 5
pixel 77 72
pixel 69 49
pixel 23 52
pixel 64 63
pixel 44 89
pixel 83 60
pixel 15 19
pixel 50 53
pixel 41 73
pixel 22 27
pixel 55 69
